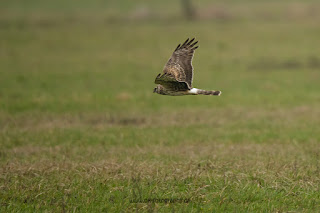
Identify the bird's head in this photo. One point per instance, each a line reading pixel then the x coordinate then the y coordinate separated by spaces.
pixel 155 89
pixel 159 89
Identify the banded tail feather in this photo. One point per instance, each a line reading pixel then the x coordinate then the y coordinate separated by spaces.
pixel 196 91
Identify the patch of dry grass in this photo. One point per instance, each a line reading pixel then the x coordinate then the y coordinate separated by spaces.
pixel 210 173
pixel 297 115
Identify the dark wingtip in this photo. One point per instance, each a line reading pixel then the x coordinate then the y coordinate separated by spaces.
pixel 188 44
pixel 190 41
pixel 157 78
pixel 185 42
pixel 194 44
pixel 178 47
pixel 195 48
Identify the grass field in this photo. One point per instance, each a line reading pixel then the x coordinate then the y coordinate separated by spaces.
pixel 81 130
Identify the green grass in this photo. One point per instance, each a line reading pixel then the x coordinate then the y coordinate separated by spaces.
pixel 81 130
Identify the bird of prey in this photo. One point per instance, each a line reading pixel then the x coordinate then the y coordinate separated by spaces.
pixel 178 73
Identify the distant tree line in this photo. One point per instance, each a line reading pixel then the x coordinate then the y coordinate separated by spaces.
pixel 188 9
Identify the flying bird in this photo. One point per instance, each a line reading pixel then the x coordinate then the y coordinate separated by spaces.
pixel 178 73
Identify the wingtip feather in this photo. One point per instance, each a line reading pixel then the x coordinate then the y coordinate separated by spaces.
pixel 185 42
pixel 194 44
pixel 188 44
pixel 190 41
pixel 178 47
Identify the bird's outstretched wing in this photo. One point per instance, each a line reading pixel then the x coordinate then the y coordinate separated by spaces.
pixel 179 65
pixel 171 83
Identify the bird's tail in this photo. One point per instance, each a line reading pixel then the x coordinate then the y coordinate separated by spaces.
pixel 205 92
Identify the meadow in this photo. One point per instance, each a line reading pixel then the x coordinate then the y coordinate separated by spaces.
pixel 81 130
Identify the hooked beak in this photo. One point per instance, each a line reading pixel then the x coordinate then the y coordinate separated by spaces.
pixel 154 90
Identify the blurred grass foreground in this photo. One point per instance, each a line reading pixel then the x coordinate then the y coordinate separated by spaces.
pixel 81 130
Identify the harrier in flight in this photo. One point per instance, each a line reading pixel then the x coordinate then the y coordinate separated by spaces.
pixel 178 73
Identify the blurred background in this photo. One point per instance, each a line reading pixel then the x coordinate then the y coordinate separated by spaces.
pixel 76 82
pixel 66 56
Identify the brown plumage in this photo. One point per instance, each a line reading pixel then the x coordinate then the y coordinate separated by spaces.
pixel 178 73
